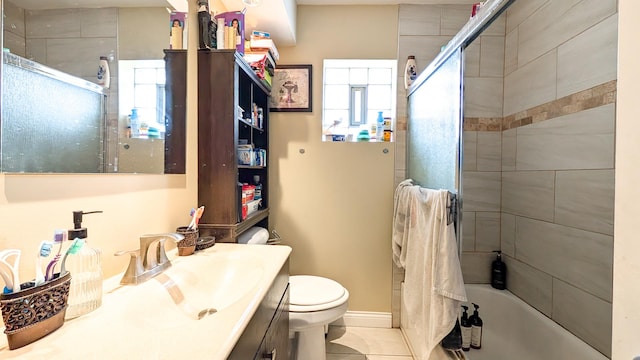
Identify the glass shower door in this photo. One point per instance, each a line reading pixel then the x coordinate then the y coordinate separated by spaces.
pixel 434 128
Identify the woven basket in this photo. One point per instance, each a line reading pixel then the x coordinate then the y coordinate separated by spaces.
pixel 35 312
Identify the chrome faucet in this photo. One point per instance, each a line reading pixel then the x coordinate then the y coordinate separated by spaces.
pixel 148 261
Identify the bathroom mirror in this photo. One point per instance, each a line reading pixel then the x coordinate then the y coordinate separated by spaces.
pixel 46 129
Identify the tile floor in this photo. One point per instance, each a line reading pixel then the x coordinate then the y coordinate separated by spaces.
pixel 361 343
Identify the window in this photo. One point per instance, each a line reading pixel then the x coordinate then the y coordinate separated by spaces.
pixel 354 91
pixel 142 87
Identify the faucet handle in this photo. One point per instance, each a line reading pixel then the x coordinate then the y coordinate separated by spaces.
pixel 134 269
pixel 160 254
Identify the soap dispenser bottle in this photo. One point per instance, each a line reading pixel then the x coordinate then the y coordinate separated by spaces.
pixel 379 127
pixel 465 323
pixel 476 328
pixel 85 266
pixel 498 272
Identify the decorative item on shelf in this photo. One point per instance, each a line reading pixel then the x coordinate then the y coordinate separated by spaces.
pixel 36 311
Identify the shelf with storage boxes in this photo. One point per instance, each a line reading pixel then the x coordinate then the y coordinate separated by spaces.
pixel 233 143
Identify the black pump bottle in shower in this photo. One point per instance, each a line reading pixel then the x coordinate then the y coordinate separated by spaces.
pixel 498 272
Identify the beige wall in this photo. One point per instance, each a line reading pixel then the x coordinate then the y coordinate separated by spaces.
pixel 32 206
pixel 333 204
pixel 626 287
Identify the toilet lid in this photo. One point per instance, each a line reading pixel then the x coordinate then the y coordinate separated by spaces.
pixel 309 290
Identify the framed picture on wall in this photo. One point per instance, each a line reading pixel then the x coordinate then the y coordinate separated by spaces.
pixel 291 89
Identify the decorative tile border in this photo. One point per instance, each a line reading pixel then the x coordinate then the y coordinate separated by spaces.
pixel 596 96
pixel 483 124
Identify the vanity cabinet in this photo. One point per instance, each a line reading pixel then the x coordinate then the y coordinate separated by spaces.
pixel 267 334
pixel 228 93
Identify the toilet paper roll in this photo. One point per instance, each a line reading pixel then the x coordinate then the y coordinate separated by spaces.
pixel 255 235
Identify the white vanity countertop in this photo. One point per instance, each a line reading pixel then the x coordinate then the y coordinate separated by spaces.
pixel 144 322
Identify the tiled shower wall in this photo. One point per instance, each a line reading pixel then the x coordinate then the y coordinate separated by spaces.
pixel 14 37
pixel 558 161
pixel 538 157
pixel 482 163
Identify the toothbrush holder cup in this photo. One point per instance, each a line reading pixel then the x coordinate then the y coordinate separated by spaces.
pixel 187 246
pixel 36 311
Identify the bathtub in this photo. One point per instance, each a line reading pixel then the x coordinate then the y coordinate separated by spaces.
pixel 514 330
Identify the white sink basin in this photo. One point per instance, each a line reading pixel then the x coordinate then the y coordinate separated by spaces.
pixel 196 287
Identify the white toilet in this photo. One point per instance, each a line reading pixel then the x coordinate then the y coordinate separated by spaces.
pixel 314 302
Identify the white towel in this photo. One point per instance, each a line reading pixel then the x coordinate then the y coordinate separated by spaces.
pixel 401 215
pixel 434 287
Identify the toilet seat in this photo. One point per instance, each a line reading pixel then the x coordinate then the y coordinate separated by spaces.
pixel 314 293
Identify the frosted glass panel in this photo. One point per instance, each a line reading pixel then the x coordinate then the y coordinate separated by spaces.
pixel 434 127
pixel 49 125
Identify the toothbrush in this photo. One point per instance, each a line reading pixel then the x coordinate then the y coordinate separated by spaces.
pixel 75 247
pixel 59 238
pixel 44 250
pixel 9 272
pixel 195 217
pixel 199 215
pixel 6 273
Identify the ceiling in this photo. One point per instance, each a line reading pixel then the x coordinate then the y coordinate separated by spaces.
pixel 275 16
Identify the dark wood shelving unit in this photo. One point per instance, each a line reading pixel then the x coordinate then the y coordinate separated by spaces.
pixel 225 84
pixel 175 141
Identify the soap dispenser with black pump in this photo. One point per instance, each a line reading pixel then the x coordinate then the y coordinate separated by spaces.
pixel 85 266
pixel 498 272
pixel 476 328
pixel 466 329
